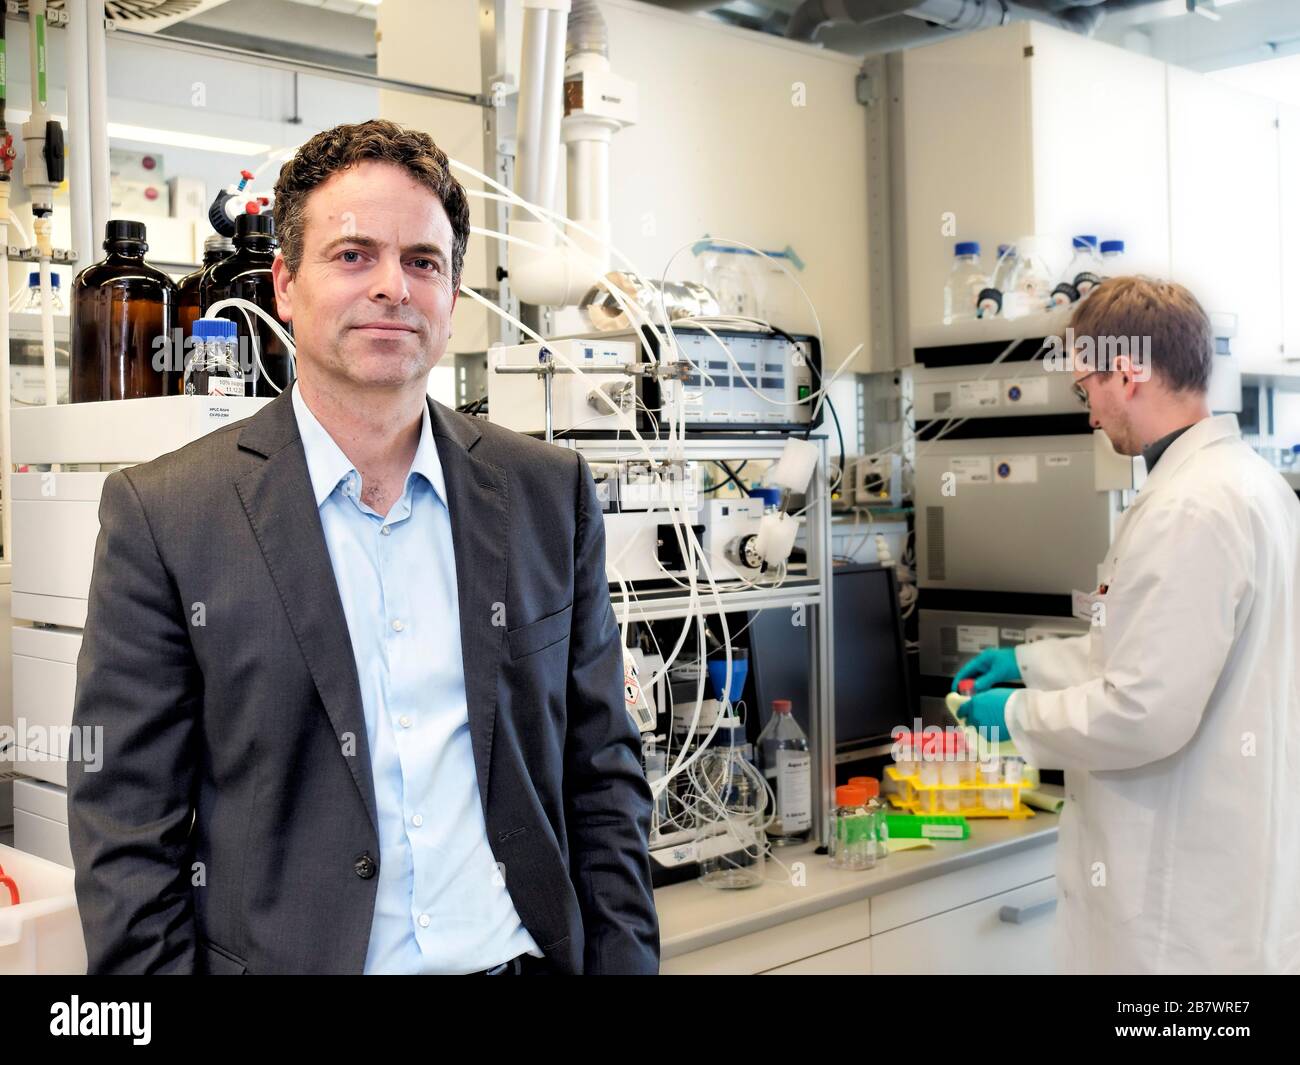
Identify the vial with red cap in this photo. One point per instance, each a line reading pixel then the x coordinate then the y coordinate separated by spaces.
pixel 851 845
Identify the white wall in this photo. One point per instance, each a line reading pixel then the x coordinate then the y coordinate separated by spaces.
pixel 720 147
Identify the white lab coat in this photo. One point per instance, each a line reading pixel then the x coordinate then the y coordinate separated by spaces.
pixel 1177 722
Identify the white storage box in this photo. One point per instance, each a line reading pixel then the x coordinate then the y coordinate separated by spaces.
pixel 41 936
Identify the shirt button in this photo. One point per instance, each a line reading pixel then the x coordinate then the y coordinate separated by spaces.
pixel 404 721
pixel 424 920
pixel 398 626
pixel 417 820
pixel 384 531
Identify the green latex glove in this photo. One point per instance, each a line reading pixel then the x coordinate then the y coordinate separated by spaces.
pixel 993 665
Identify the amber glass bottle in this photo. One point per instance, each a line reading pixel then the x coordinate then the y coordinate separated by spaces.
pixel 188 306
pixel 123 312
pixel 247 275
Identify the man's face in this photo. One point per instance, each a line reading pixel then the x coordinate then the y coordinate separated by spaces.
pixel 1108 407
pixel 372 300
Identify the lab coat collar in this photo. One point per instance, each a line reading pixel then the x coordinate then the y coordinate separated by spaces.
pixel 1201 435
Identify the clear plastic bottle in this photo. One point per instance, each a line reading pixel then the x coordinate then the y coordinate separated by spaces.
pixel 990 298
pixel 1084 272
pixel 1030 284
pixel 211 361
pixel 28 300
pixel 123 311
pixel 1113 263
pixel 966 280
pixel 1004 267
pixel 786 763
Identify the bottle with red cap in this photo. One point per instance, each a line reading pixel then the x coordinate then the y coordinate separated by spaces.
pixel 877 807
pixel 787 765
pixel 851 844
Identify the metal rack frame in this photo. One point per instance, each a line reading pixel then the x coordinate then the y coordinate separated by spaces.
pixel 812 591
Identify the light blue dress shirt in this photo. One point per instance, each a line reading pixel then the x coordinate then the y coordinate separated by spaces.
pixel 441 905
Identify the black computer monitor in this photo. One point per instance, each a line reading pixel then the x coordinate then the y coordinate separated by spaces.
pixel 873 690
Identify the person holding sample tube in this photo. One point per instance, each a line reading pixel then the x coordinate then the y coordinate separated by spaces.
pixel 1176 717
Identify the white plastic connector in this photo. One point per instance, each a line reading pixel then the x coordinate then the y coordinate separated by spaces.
pixel 776 536
pixel 882 551
pixel 795 467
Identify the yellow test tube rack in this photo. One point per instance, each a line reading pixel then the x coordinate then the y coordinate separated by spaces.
pixel 917 798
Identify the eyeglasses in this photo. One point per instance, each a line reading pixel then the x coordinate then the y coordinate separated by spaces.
pixel 1079 391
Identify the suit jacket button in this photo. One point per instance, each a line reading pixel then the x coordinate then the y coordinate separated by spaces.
pixel 364 867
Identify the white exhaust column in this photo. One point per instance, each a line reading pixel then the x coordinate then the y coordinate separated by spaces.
pixel 577 100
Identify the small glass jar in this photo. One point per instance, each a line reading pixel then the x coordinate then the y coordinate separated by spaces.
pixel 851 845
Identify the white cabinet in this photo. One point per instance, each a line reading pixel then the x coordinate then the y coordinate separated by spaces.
pixel 1027 130
pixel 1224 208
pixel 853 959
pixel 1288 145
pixel 994 916
pixel 1008 933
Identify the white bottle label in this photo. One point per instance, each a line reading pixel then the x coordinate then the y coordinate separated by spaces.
pixel 794 790
pixel 225 386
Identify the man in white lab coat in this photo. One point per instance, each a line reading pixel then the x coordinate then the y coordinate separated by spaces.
pixel 1177 716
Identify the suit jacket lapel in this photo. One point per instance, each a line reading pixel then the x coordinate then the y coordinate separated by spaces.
pixel 478 502
pixel 281 507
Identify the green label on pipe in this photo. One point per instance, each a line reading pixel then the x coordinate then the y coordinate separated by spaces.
pixel 40 58
pixel 4 70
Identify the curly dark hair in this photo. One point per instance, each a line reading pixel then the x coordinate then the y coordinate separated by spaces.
pixel 344 146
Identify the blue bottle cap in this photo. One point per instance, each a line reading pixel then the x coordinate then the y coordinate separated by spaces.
pixel 966 247
pixel 1086 240
pixel 1112 245
pixel 213 329
pixel 1004 248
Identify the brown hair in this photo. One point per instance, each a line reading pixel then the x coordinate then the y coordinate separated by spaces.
pixel 1166 312
pixel 345 146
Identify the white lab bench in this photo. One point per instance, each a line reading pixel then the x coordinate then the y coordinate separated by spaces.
pixel 981 905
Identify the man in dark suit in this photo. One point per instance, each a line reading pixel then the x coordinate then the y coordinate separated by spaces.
pixel 354 658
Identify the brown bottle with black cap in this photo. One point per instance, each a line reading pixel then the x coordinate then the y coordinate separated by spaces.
pixel 122 318
pixel 247 275
pixel 215 248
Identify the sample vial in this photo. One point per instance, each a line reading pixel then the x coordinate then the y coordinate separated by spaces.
pixel 851 843
pixel 990 773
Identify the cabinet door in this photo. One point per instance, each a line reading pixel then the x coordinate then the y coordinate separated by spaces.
pixel 1100 150
pixel 982 937
pixel 852 959
pixel 1223 208
pixel 1289 191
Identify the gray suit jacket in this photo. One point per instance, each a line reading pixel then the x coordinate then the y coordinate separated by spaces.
pixel 232 827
